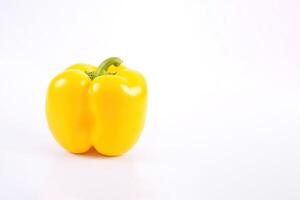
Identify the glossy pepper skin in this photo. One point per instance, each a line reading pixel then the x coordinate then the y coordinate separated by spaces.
pixel 102 107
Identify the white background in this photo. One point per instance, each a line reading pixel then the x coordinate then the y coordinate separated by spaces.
pixel 224 98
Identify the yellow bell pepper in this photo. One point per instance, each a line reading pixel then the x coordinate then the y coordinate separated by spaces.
pixel 102 107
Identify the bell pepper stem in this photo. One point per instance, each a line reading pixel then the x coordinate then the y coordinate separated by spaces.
pixel 103 67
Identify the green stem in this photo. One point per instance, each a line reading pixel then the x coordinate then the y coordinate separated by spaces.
pixel 103 67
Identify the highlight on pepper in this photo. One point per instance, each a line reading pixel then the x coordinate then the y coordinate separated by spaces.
pixel 102 107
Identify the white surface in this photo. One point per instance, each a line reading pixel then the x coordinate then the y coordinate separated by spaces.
pixel 224 98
